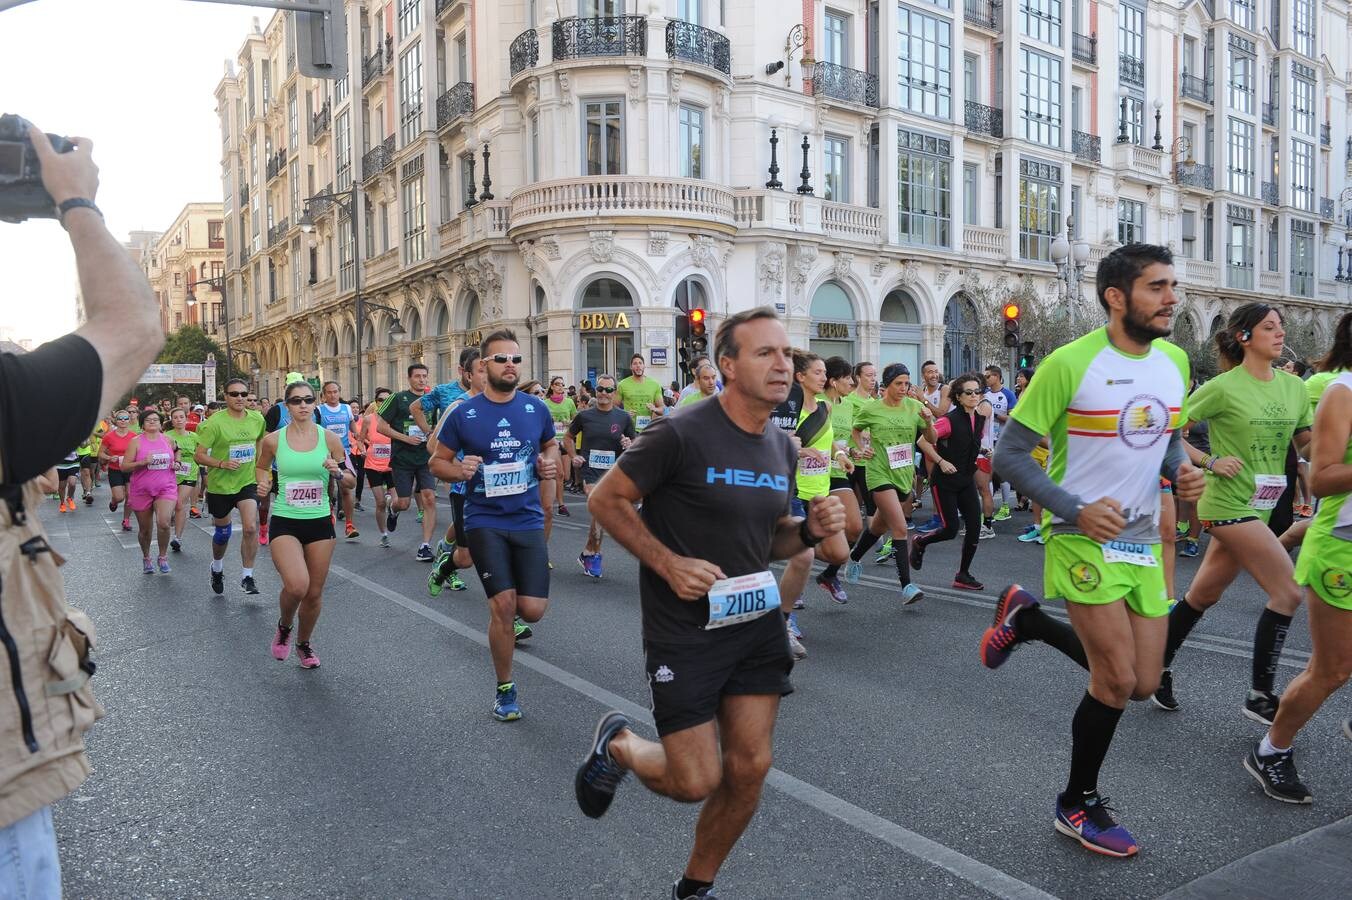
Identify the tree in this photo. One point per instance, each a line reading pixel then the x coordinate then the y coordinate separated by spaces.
pixel 189 344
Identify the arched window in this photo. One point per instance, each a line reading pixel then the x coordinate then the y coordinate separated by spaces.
pixel 541 302
pixel 900 334
pixel 441 318
pixel 471 307
pixel 960 338
pixel 414 324
pixel 899 309
pixel 833 329
pixel 605 293
pixel 831 302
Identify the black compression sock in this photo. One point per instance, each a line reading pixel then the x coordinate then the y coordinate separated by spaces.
pixel 830 571
pixel 863 545
pixel 1035 625
pixel 1182 618
pixel 689 887
pixel 903 563
pixel 1091 732
pixel 1268 639
pixel 988 521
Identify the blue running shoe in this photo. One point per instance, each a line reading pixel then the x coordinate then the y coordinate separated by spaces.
pixel 885 552
pixel 934 524
pixel 1091 823
pixel 584 561
pixel 793 626
pixel 599 776
pixel 852 571
pixel 1188 547
pixel 832 587
pixel 596 565
pixel 999 640
pixel 911 594
pixel 505 708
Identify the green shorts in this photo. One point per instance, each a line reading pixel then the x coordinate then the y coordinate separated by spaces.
pixel 1074 570
pixel 1325 567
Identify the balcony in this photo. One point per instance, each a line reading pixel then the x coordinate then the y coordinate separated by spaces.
pixel 1198 176
pixel 1270 115
pixel 1141 163
pixel 1270 282
pixel 1084 49
pixel 319 207
pixel 379 158
pixel 982 13
pixel 1130 70
pixel 581 38
pixel 278 231
pixel 243 195
pixel 456 103
pixel 859 223
pixel 1202 272
pixel 373 66
pixel 276 164
pixel 704 46
pixel 524 52
pixel 1326 208
pixel 1326 135
pixel 987 120
pixel 846 85
pixel 988 243
pixel 319 122
pixel 1086 147
pixel 443 5
pixel 1270 194
pixel 622 197
pixel 1193 88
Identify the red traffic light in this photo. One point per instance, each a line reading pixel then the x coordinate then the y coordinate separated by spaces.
pixel 696 316
pixel 1011 310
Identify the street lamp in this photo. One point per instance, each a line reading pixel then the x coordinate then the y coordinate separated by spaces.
pixel 254 370
pixel 806 187
pixel 1159 141
pixel 218 285
pixel 774 183
pixel 1123 94
pixel 1071 255
pixel 484 135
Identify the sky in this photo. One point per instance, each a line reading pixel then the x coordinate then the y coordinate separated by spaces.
pixel 136 77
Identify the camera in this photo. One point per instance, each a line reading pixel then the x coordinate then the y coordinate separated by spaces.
pixel 22 195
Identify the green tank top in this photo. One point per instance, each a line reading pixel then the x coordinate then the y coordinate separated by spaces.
pixel 814 480
pixel 842 421
pixel 302 480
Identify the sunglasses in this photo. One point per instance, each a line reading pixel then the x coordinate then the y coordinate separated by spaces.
pixel 502 359
pixel 122 419
pixel 297 401
pixel 970 393
pixel 236 393
pixel 605 390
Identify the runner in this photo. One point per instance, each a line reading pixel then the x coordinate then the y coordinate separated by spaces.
pixel 357 454
pixel 888 430
pixel 88 458
pixel 454 549
pixel 1002 401
pixel 227 443
pixel 149 464
pixel 606 432
pixel 111 450
pixel 704 386
pixel 717 658
pixel 409 460
pixel 839 384
pixel 508 444
pixel 185 473
pixel 67 476
pixel 1254 412
pixel 695 387
pixel 336 418
pixel 307 458
pixel 865 392
pixel 640 396
pixel 377 471
pixel 1111 402
pixel 563 410
pixel 953 483
pixel 275 417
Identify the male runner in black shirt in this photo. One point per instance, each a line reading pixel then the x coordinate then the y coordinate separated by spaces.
pixel 715 484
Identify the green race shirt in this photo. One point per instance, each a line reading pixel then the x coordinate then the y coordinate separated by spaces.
pixel 562 413
pixel 397 411
pixel 693 398
pixel 635 397
pixel 186 469
pixel 892 432
pixel 226 437
pixel 1254 421
pixel 842 421
pixel 814 482
pixel 1315 385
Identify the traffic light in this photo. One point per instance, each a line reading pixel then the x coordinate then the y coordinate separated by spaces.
pixel 1026 358
pixel 321 40
pixel 1011 314
pixel 698 342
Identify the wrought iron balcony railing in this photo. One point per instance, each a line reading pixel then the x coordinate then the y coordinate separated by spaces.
pixel 276 164
pixel 1326 208
pixel 319 122
pixel 697 44
pixel 1271 195
pixel 579 38
pixel 278 231
pixel 982 13
pixel 524 52
pixel 1198 175
pixel 1131 70
pixel 319 207
pixel 1086 147
pixel 455 103
pixel 849 85
pixel 982 119
pixel 1195 88
pixel 1326 135
pixel 374 65
pixel 378 159
pixel 1083 48
pixel 1270 114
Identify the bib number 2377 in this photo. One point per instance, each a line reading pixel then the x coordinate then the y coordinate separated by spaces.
pixel 741 599
pixel 505 479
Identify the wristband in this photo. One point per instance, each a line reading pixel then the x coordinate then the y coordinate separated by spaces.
pixel 806 536
pixel 75 203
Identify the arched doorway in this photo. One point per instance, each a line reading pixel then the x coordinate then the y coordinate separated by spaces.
pixel 605 328
pixel 961 351
pixel 834 323
pixel 901 335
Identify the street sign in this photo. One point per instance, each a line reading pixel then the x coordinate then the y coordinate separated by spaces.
pixel 657 356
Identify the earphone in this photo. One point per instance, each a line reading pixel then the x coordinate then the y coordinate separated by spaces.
pixel 1244 336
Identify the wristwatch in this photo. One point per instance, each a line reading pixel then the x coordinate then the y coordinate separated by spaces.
pixel 76 203
pixel 806 536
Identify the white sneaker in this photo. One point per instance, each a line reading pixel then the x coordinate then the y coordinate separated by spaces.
pixel 796 647
pixel 385 541
pixel 911 594
pixel 986 533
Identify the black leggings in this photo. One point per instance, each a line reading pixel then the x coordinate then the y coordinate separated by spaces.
pixel 950 504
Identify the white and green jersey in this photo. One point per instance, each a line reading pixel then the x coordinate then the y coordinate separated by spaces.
pixel 1334 519
pixel 1110 416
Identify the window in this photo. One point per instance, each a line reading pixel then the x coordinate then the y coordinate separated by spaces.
pixel 1208 223
pixel 295 210
pixel 1041 20
pixel 1131 32
pixel 1039 208
pixel 1240 157
pixel 689 11
pixel 410 17
pixel 971 78
pixel 971 194
pixel 215 236
pixel 1302 27
pixel 535 146
pixel 1302 258
pixel 444 181
pixel 415 215
pixel 691 127
pixel 593 8
pixel 1075 208
pixel 1130 221
pixel 410 94
pixel 461 59
pixel 292 120
pixel 603 137
pixel 1190 234
pixel 1239 248
pixel 1241 79
pixel 342 143
pixel 295 269
pixel 836 46
pixel 467 186
pixel 836 176
pixel 1302 175
pixel 1241 13
pixel 924 192
pixel 1273 230
pixel 1076 105
pixel 925 82
pixel 1040 95
pixel 1302 99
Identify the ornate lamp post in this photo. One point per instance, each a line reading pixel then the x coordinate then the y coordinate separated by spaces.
pixel 1071 255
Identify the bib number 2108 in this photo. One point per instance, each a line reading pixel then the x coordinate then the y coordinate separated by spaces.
pixel 741 599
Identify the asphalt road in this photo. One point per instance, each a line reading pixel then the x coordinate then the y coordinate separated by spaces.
pixel 903 768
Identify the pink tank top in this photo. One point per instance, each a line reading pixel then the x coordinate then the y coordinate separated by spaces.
pixel 160 472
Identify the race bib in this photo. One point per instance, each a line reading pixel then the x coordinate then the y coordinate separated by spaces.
pixel 1267 491
pixel 242 453
pixel 159 462
pixel 339 428
pixel 415 432
pixel 183 469
pixel 505 479
pixel 305 494
pixel 809 466
pixel 642 422
pixel 380 451
pixel 1129 553
pixel 741 599
pixel 899 456
pixel 560 429
pixel 601 459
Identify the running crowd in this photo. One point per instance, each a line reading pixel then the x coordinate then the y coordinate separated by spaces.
pixel 1123 459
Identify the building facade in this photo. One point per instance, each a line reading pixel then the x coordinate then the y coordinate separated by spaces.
pixel 140 246
pixel 190 251
pixel 884 173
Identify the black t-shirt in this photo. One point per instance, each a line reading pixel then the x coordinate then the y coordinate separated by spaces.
pixel 49 404
pixel 712 492
pixel 601 431
pixel 397 411
pixel 785 416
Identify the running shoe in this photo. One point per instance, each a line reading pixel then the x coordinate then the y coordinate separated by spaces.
pixel 505 708
pixel 799 603
pixel 796 648
pixel 218 582
pixel 309 659
pixel 885 552
pixel 596 565
pixel 1261 706
pixel 357 507
pixel 434 582
pixel 112 506
pixel 853 570
pixel 164 565
pixel 391 519
pixel 832 587
pixel 1306 510
pixel 917 554
pixel 599 776
pixel 194 513
pixel 174 545
pixel 352 532
pixel 1091 823
pixel 263 534
pixel 563 511
pixel 89 499
pixel 1003 514
pixel 247 585
pixel 339 516
pixel 1188 547
pixel 1164 694
pixel 1030 535
pixel 998 641
pixel 584 560
pixel 965 582
pixel 704 893
pixel 424 554
pixel 1278 776
pixel 281 643
pixel 987 532
pixel 126 524
pixel 1347 728
pixel 934 524
pixel 384 542
pixel 455 582
pixel 147 567
pixel 1182 528
pixel 792 622
pixel 520 630
pixel 911 594
pixel 420 516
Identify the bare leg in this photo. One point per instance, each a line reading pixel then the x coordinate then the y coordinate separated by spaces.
pixel 317 558
pixel 144 517
pixel 289 557
pixel 429 522
pixel 501 637
pixel 248 519
pixel 164 516
pixel 686 766
pixel 1328 669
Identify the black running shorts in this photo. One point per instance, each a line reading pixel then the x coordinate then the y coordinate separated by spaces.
pixel 510 561
pixel 458 519
pixel 688 681
pixel 307 531
pixel 380 479
pixel 220 505
pixel 117 478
